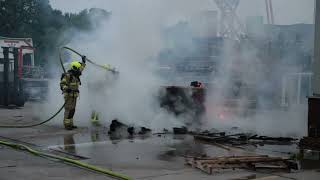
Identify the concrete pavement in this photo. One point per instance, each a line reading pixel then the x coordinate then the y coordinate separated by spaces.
pixel 142 157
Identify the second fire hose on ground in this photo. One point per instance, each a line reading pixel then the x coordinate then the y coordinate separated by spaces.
pixel 66 160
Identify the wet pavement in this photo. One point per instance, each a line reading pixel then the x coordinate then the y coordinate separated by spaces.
pixel 150 156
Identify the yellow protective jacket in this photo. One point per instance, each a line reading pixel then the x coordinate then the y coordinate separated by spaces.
pixel 72 82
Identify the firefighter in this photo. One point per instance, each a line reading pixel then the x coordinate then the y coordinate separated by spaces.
pixel 69 84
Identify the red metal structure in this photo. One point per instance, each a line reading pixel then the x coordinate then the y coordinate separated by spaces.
pixel 20 59
pixel 31 76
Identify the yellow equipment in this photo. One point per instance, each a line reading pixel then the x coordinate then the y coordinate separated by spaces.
pixel 75 65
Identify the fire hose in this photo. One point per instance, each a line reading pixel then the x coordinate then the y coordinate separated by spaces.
pixel 66 160
pixel 60 109
pixel 90 61
pixel 52 156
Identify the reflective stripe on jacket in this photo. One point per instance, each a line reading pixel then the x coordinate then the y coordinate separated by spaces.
pixel 69 81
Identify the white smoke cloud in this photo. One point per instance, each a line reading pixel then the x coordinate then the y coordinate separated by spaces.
pixel 130 41
pixel 254 104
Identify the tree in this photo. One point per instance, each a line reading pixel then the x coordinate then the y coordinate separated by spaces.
pixel 37 19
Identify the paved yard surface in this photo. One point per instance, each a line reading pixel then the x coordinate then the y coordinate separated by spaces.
pixel 143 157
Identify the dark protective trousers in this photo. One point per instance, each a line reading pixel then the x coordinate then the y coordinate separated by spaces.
pixel 69 110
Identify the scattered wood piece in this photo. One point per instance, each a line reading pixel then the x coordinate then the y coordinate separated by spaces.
pixel 243 139
pixel 222 146
pixel 244 162
pixel 268 177
pixel 253 176
pixel 216 139
pixel 228 148
pixel 208 133
pixel 267 138
pixel 182 130
pixel 226 157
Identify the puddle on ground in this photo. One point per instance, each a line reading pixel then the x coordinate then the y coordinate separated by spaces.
pixel 141 151
pixel 166 151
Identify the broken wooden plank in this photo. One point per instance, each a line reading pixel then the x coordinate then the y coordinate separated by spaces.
pixel 216 144
pixel 267 166
pixel 226 157
pixel 203 167
pixel 229 166
pixel 242 159
pixel 253 176
pixel 243 162
pixel 267 177
pixel 220 138
pixel 267 138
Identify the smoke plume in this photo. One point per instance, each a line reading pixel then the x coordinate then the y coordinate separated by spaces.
pixel 132 39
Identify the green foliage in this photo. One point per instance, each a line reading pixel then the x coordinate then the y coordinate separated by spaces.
pixel 37 19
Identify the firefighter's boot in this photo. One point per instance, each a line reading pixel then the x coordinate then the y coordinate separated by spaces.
pixel 68 124
pixel 95 118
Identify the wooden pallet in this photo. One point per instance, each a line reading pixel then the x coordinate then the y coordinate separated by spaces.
pixel 242 162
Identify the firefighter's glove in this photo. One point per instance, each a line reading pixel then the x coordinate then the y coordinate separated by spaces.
pixel 84 59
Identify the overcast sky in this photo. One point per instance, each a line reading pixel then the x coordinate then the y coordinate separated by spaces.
pixel 285 11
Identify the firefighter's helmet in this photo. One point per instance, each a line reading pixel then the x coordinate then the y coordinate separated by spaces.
pixel 75 65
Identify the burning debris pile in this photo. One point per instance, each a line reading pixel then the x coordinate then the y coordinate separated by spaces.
pixel 117 128
pixel 208 164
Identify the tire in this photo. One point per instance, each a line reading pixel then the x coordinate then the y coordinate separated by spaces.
pixel 20 97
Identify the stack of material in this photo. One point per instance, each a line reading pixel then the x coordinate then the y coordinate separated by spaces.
pixel 312 143
pixel 244 162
